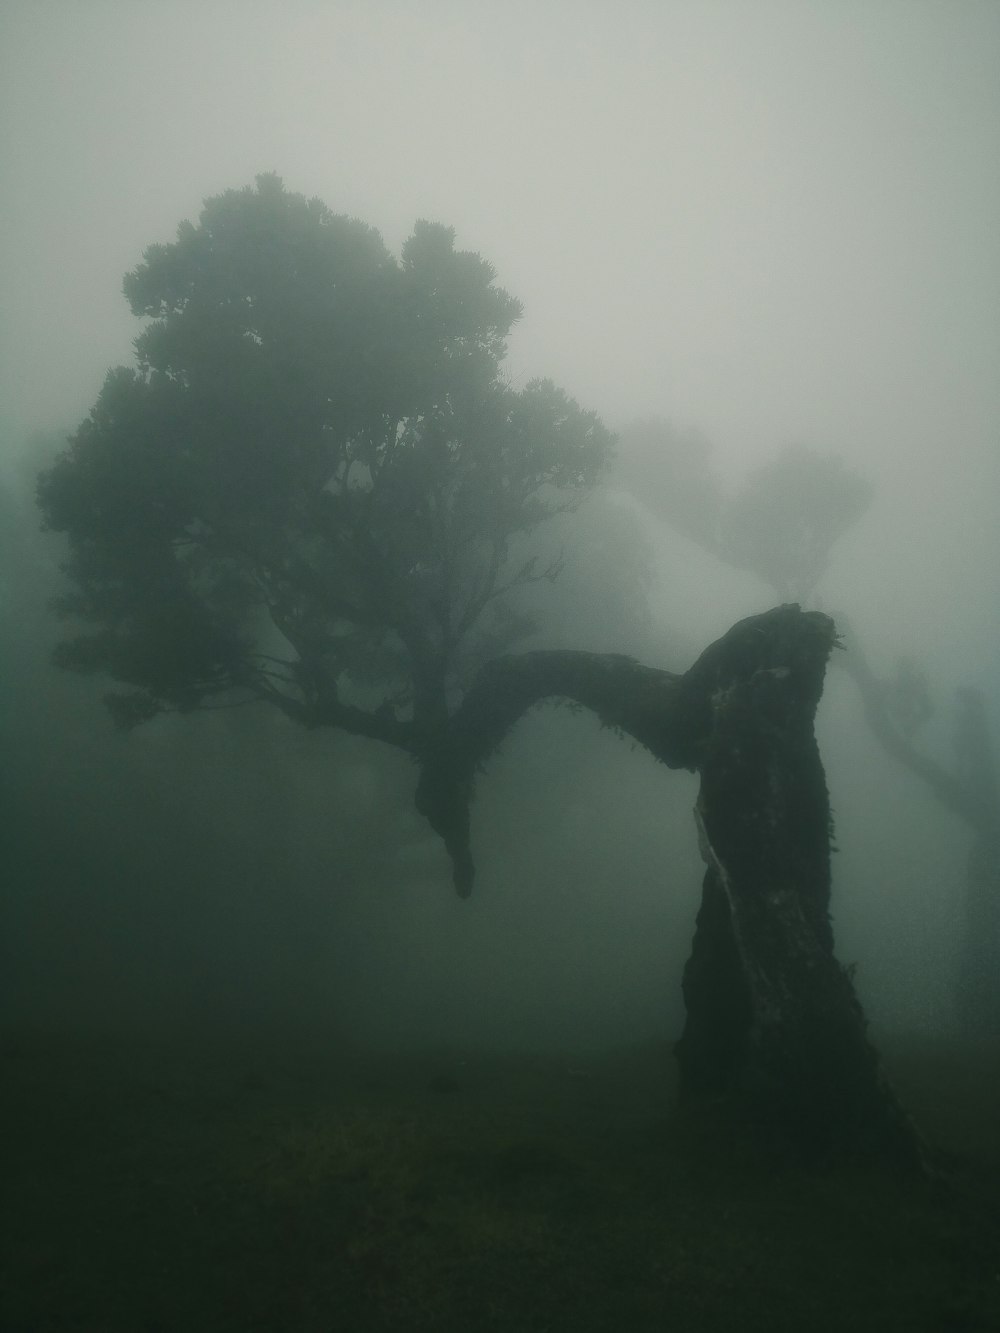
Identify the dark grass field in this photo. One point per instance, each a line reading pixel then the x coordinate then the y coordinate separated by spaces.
pixel 214 1187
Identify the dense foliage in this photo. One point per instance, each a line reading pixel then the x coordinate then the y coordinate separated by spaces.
pixel 307 488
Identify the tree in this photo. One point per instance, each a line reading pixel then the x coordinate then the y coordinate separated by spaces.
pixel 306 490
pixel 307 493
pixel 782 526
pixel 786 520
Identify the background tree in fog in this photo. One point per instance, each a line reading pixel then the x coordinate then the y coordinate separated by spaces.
pixel 782 525
pixel 308 489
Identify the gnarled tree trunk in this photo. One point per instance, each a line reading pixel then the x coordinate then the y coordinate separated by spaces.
pixel 773 1025
pixel 773 1020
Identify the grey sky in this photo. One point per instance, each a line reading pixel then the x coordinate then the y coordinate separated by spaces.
pixel 774 221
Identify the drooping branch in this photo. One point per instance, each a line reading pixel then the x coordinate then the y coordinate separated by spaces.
pixel 622 693
pixel 773 1022
pixel 670 715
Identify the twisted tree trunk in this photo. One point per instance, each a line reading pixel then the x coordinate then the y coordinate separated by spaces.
pixel 773 1025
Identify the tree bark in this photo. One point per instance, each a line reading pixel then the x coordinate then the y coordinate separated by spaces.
pixel 773 1020
pixel 773 1024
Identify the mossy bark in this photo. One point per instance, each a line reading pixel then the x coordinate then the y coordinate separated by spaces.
pixel 773 1023
pixel 773 1020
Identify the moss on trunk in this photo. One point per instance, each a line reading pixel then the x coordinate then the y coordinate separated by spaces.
pixel 773 1023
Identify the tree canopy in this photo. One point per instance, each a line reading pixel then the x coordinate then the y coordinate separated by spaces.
pixel 306 488
pixel 781 525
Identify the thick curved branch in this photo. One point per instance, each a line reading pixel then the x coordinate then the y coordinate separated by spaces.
pixel 671 716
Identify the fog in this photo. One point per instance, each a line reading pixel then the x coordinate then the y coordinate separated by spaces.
pixel 770 223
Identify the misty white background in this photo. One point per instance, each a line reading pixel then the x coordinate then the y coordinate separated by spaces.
pixel 775 221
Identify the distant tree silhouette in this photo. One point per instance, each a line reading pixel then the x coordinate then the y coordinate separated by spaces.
pixel 781 525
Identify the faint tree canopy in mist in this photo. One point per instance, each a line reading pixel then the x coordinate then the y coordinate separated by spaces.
pixel 789 514
pixel 783 522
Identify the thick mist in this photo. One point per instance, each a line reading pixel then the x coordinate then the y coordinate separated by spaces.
pixel 767 224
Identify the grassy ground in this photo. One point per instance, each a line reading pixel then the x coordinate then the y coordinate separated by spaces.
pixel 174 1188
